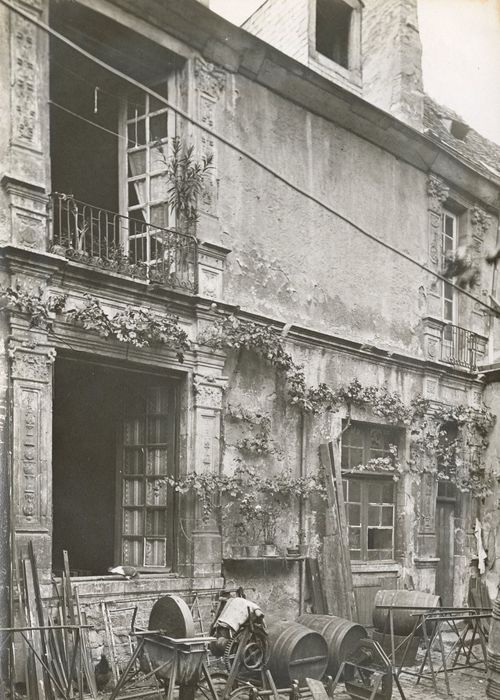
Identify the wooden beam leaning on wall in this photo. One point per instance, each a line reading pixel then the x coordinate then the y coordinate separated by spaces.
pixel 337 576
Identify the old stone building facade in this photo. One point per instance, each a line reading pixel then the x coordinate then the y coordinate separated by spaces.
pixel 325 216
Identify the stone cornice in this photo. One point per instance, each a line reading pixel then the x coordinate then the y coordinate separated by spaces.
pixel 75 278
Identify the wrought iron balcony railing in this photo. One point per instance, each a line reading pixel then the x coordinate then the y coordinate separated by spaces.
pixel 460 347
pixel 131 247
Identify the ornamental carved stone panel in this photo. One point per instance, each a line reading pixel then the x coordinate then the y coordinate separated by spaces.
pixel 437 193
pixel 30 461
pixel 29 365
pixel 210 81
pixel 209 391
pixel 28 212
pixel 25 126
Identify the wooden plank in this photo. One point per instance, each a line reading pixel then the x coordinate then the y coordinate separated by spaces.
pixel 336 574
pixel 34 636
pixel 318 598
pixel 318 690
pixel 41 616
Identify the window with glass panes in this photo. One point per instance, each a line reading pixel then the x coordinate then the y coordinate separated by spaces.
pixel 370 517
pixel 449 237
pixel 369 499
pixel 364 441
pixel 146 459
pixel 150 128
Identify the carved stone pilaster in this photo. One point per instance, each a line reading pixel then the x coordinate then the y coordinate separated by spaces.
pixel 31 386
pixel 208 395
pixel 210 81
pixel 437 193
pixel 25 81
pixel 480 223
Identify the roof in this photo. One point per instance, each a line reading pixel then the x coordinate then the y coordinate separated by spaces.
pixel 473 150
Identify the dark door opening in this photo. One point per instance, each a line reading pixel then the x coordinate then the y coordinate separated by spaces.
pixel 113 445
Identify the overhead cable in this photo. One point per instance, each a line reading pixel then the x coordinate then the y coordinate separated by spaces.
pixel 249 156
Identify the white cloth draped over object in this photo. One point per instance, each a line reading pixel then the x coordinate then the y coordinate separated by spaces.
pixel 236 613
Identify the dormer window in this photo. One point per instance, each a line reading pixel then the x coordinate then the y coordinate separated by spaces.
pixel 333 29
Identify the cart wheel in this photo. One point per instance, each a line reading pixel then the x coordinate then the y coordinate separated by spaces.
pixel 219 681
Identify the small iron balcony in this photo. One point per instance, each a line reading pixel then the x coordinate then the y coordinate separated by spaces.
pixel 460 347
pixel 107 240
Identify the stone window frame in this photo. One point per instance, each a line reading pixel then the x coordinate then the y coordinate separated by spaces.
pixel 473 225
pixel 353 72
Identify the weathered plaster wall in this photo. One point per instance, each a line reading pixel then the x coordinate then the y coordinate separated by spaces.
pixel 294 260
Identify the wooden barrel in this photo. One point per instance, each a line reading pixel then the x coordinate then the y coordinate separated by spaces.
pixel 403 620
pixel 296 653
pixel 342 637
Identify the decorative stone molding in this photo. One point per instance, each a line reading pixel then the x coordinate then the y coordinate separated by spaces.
pixel 432 332
pixel 437 192
pixel 210 78
pixel 431 388
pixel 25 124
pixel 209 391
pixel 428 492
pixel 426 562
pixel 210 81
pixel 480 221
pixel 31 365
pixel 28 206
pixel 211 264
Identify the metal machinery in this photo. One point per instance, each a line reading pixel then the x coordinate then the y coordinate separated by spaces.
pixel 240 659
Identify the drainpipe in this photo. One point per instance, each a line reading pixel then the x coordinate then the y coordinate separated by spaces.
pixel 5 541
pixel 492 317
pixel 302 563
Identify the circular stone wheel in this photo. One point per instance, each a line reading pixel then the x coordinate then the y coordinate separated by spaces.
pixel 172 615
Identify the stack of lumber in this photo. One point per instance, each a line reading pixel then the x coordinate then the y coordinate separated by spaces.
pixel 54 643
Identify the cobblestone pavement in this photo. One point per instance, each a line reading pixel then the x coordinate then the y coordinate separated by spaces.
pixel 464 685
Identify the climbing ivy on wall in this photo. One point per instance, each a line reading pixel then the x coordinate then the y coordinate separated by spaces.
pixel 448 440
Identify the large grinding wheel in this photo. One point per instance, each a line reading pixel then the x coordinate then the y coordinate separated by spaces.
pixel 172 616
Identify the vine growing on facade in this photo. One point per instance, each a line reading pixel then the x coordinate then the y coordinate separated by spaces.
pixel 35 303
pixel 448 440
pixel 138 327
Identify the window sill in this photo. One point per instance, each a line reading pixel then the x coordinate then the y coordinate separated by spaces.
pixel 368 567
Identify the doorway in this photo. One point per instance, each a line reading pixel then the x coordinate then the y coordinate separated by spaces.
pixel 114 448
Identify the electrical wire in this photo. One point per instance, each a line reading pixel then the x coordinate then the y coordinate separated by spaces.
pixel 249 156
pixel 89 121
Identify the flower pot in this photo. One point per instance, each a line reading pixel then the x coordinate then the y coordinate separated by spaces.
pixel 269 550
pixel 238 551
pixel 252 550
pixel 292 551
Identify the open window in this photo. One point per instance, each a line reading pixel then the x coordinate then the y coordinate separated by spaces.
pixel 109 143
pixel 333 30
pixel 114 449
